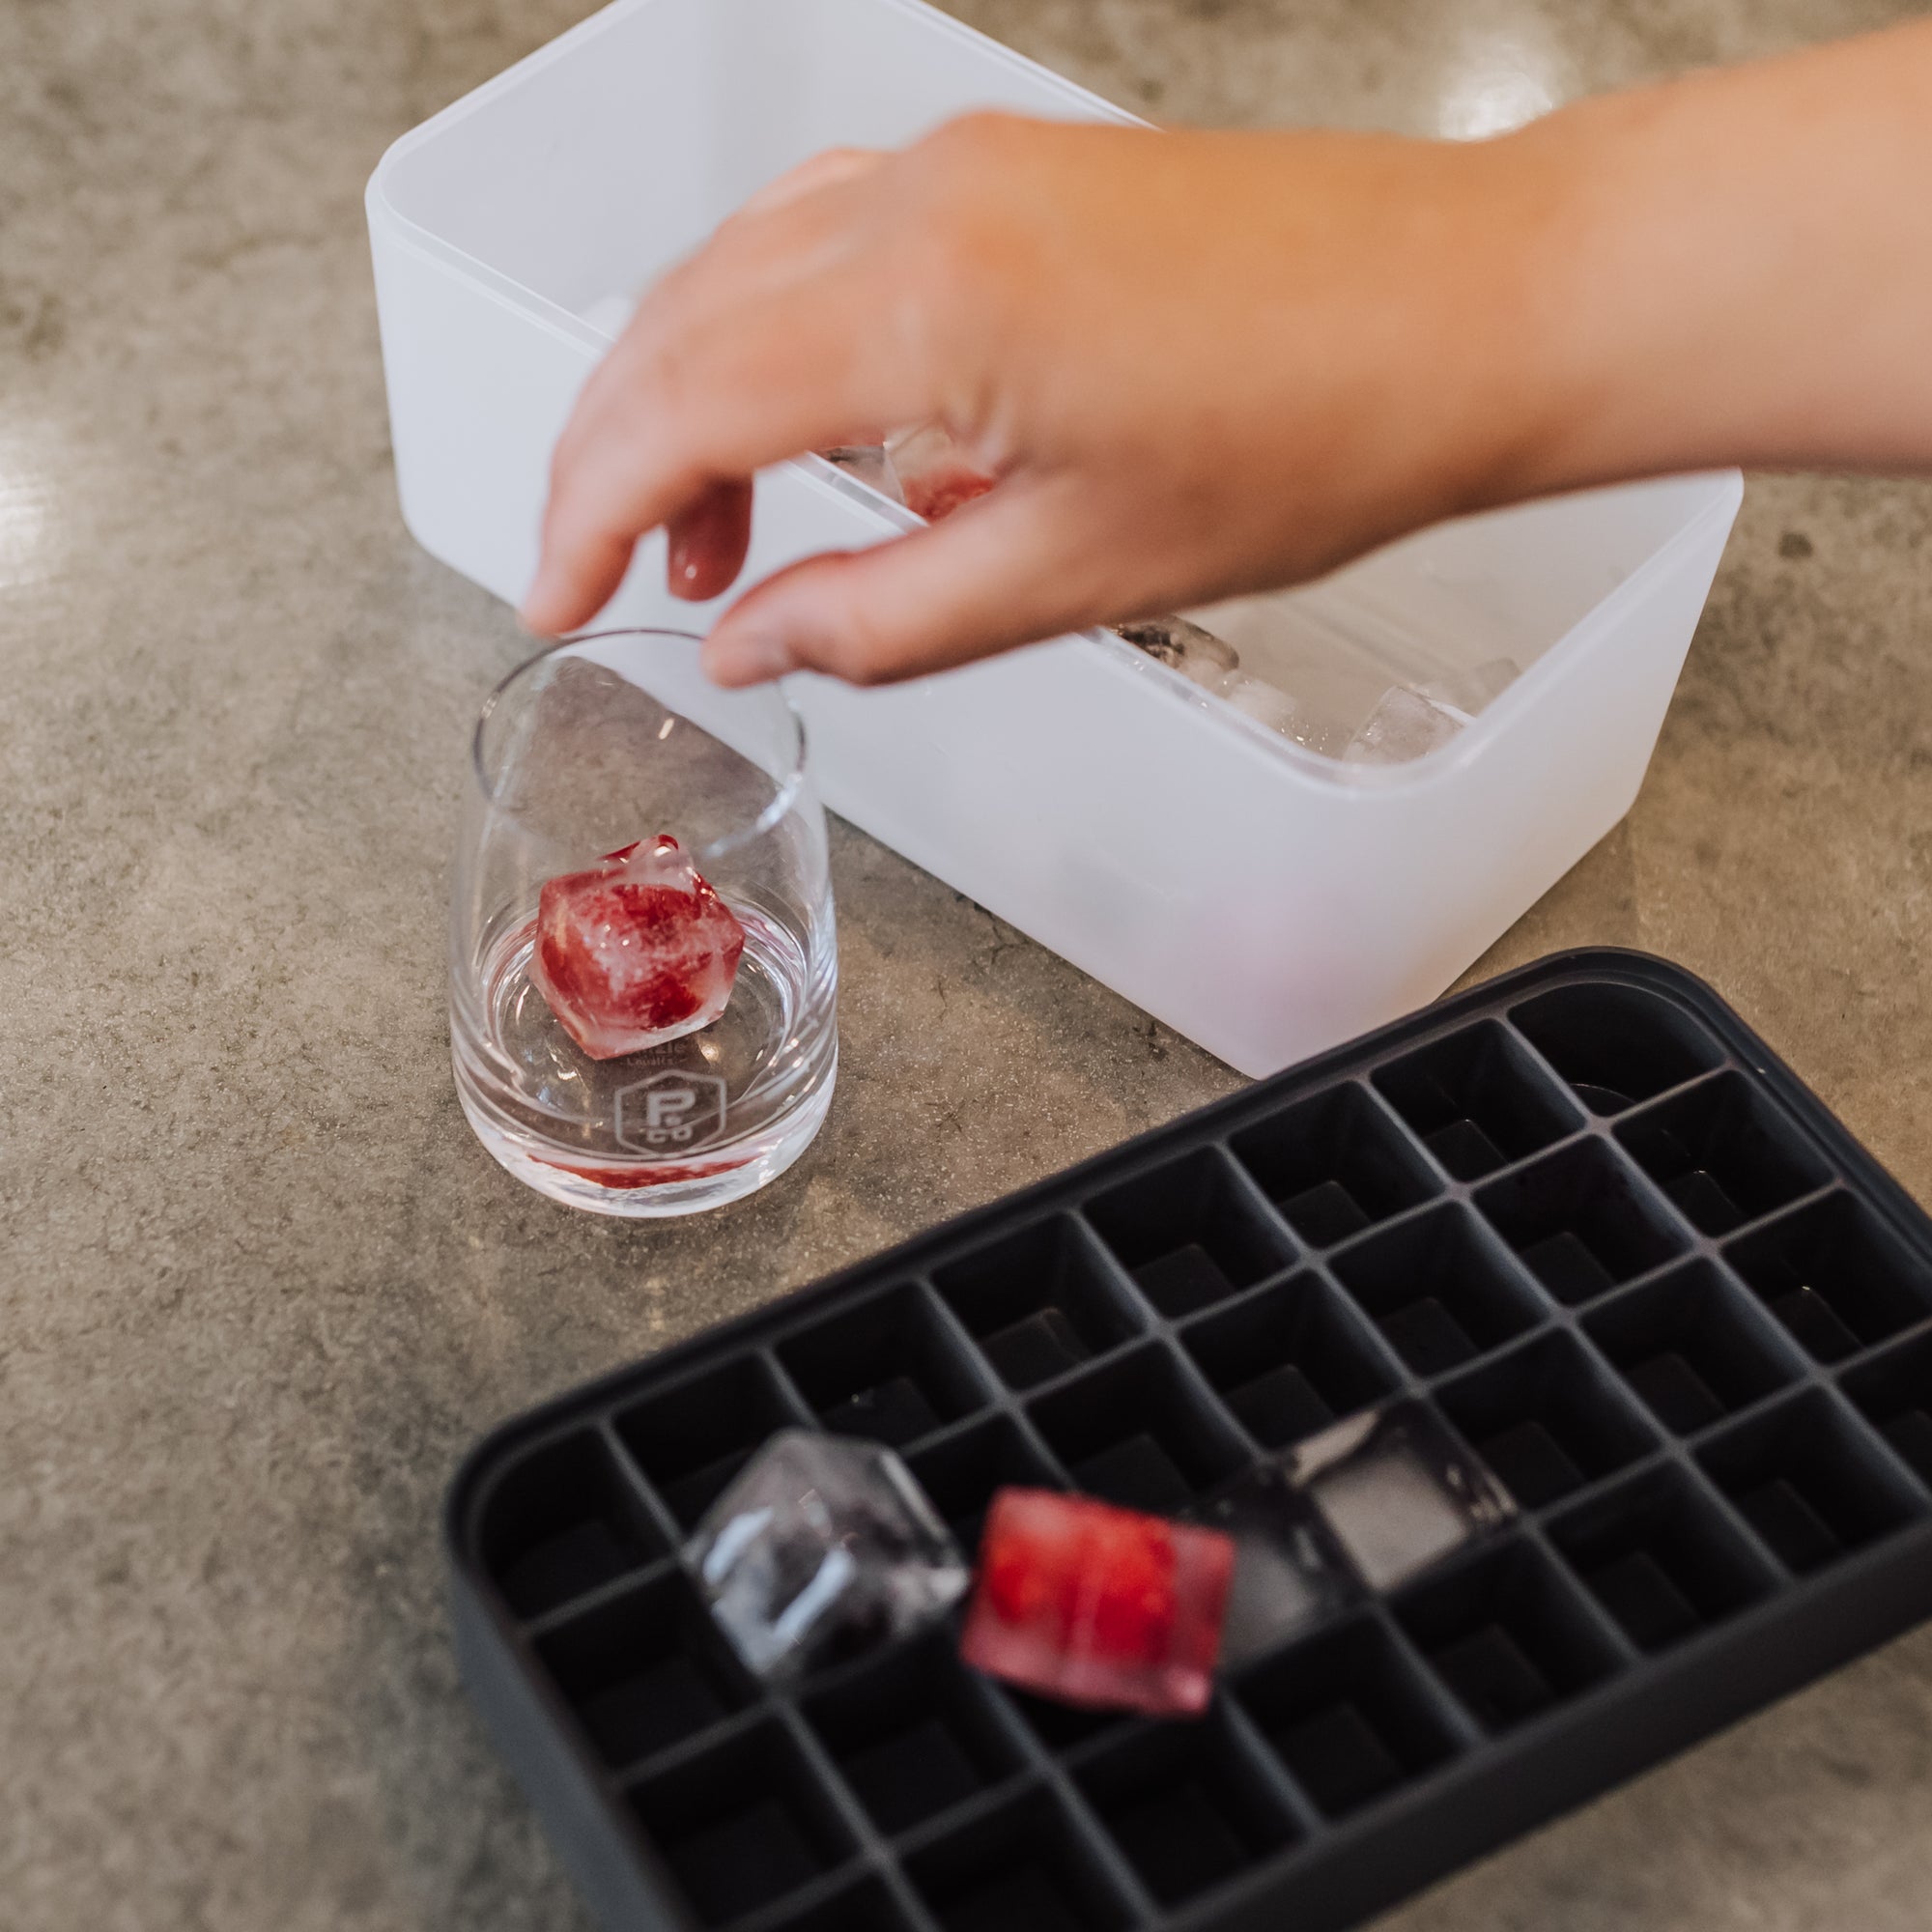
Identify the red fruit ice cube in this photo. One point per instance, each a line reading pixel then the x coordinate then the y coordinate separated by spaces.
pixel 1098 1606
pixel 933 472
pixel 637 950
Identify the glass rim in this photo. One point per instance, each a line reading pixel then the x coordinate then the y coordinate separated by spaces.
pixel 777 809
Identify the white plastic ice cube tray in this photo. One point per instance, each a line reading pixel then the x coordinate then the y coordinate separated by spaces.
pixel 1260 899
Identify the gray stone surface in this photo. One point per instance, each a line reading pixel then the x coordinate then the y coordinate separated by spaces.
pixel 259 1287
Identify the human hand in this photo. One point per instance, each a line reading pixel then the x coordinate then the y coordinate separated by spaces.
pixel 1209 363
pixel 1198 363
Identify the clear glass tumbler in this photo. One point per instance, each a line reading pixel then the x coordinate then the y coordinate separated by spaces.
pixel 594 745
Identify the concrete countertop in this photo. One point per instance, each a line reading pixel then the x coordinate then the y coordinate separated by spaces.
pixel 259 1286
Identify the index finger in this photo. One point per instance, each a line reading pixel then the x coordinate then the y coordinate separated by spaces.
pixel 766 344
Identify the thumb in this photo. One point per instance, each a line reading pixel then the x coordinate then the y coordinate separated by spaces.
pixel 1008 569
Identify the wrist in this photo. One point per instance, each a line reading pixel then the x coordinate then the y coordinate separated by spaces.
pixel 1542 317
pixel 1714 275
pixel 1628 296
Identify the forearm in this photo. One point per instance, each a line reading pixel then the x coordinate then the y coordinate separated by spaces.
pixel 1734 268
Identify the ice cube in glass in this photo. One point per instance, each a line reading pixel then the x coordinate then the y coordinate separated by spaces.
pixel 635 951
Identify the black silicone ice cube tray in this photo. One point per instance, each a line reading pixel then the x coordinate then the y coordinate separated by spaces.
pixel 1582 1210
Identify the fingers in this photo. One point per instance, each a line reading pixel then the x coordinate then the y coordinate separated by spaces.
pixel 1004 571
pixel 660 442
pixel 708 542
pixel 571 588
pixel 766 345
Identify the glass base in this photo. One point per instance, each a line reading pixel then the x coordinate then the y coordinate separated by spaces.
pixel 654 1190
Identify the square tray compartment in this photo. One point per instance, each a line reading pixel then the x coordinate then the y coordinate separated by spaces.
pixel 1478 1101
pixel 868 1906
pixel 1661 1557
pixel 741 1825
pixel 1509 1637
pixel 1809 1482
pixel 1442 1291
pixel 1025 1864
pixel 1580 1221
pixel 914 1736
pixel 691 1440
pixel 1335 1165
pixel 1191 1235
pixel 1042 1303
pixel 643 1669
pixel 564 1522
pixel 1289 1360
pixel 1617 1048
pixel 961 1471
pixel 1693 1346
pixel 1723 1153
pixel 890 1369
pixel 1894 1393
pixel 1833 1277
pixel 1141 1432
pixel 1547 1419
pixel 1187 1807
pixel 1717 1422
pixel 1349 1716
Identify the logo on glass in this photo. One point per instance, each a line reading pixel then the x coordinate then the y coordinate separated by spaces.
pixel 671 1112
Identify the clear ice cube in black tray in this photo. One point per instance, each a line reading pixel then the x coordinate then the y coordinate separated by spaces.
pixel 1581 1213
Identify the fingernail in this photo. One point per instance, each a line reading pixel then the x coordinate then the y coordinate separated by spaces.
pixel 754 658
pixel 706 542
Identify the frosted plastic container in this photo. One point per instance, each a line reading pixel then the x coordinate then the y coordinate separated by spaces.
pixel 1260 899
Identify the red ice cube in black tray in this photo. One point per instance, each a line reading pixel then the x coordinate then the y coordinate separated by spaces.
pixel 1582 1210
